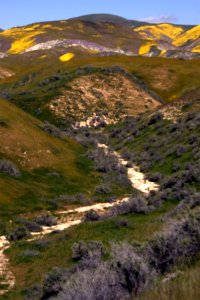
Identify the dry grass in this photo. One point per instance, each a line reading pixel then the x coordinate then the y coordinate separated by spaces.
pixel 184 287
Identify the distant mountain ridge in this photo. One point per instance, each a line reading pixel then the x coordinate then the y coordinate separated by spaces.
pixel 104 33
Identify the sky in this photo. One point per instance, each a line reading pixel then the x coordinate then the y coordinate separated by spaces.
pixel 22 12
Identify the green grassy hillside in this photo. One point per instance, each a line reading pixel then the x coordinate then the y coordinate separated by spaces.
pixel 38 81
pixel 49 166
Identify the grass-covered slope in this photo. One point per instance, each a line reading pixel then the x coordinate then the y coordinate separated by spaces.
pixel 37 167
pixel 37 80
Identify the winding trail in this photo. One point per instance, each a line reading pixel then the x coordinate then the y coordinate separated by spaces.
pixel 136 177
pixel 7 278
pixel 73 217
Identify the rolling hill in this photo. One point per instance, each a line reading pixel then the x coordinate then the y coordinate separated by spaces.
pixel 104 34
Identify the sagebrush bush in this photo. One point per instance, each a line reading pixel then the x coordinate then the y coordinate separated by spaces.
pixel 30 225
pixel 33 293
pixel 46 220
pixel 133 205
pixel 133 270
pixel 9 168
pixel 90 250
pixel 52 130
pixel 29 253
pixel 180 243
pixel 91 215
pixel 18 233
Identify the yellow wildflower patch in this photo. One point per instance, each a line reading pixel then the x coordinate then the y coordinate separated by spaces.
pixel 66 57
pixel 189 35
pixel 158 31
pixel 145 48
pixel 163 53
pixel 196 49
pixel 23 38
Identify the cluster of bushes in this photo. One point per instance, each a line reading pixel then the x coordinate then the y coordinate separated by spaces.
pixel 114 173
pixel 129 270
pixel 105 161
pixel 164 139
pixel 25 227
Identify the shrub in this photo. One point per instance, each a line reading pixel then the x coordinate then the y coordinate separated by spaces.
pixel 9 168
pixel 18 233
pixel 105 161
pixel 157 117
pixel 53 282
pixel 33 293
pixel 122 180
pixel 133 205
pixel 121 223
pixel 103 189
pixel 180 150
pixel 90 250
pixel 30 225
pixel 101 282
pixel 133 270
pixel 46 220
pixel 52 130
pixel 182 241
pixel 41 244
pixel 30 253
pixel 156 177
pixel 91 215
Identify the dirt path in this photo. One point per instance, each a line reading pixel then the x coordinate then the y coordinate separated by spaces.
pixel 7 278
pixel 71 218
pixel 75 216
pixel 136 177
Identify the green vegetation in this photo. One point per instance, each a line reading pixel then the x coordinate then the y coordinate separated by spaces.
pixel 57 253
pixel 49 166
pixel 169 78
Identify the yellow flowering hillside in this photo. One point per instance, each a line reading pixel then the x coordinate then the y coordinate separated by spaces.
pixel 159 31
pixel 189 35
pixel 23 37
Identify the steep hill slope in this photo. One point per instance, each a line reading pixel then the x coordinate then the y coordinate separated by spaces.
pixel 169 40
pixel 37 163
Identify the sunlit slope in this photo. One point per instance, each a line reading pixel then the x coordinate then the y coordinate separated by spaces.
pixel 188 36
pixel 40 80
pixel 168 37
pixel 48 165
pixel 20 39
pixel 159 32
